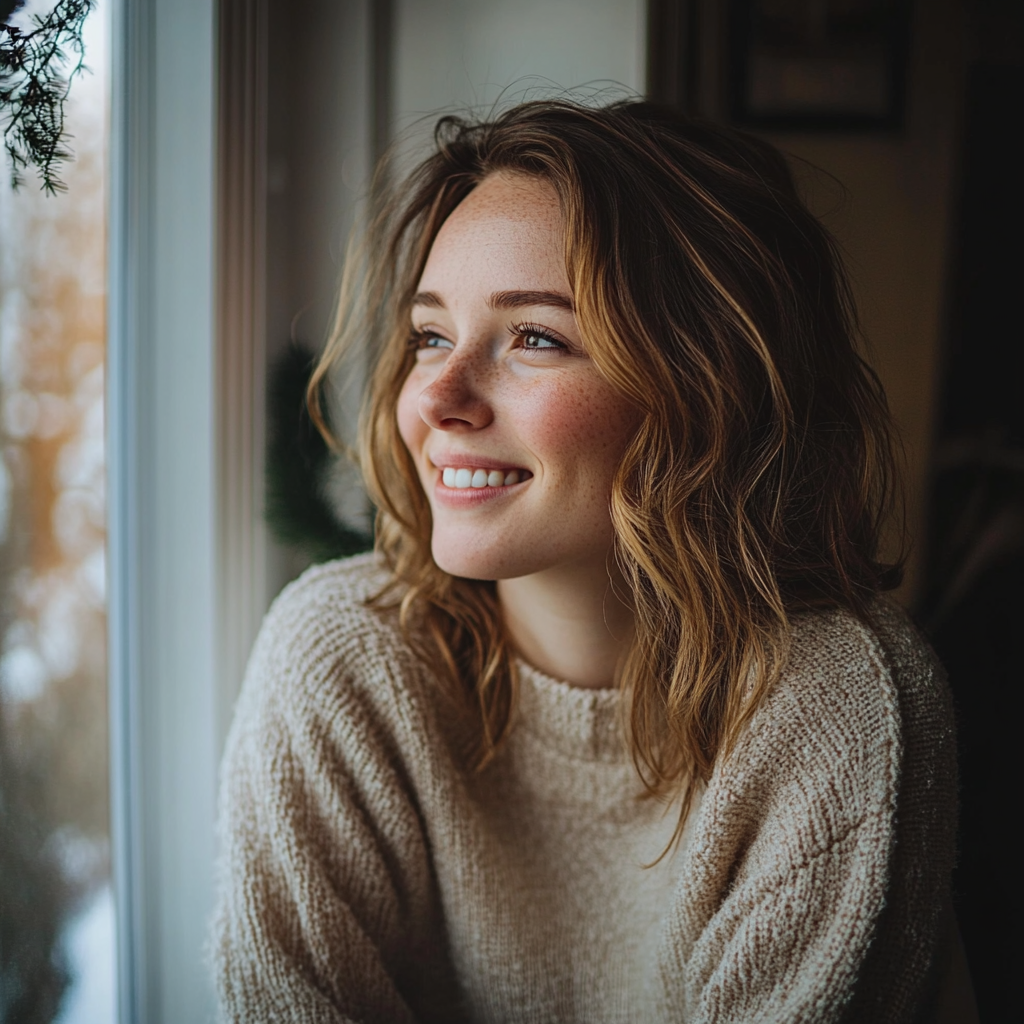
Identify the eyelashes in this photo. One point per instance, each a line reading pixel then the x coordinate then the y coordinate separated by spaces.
pixel 525 331
pixel 420 340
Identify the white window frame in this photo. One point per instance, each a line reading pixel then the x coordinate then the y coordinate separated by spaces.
pixel 162 502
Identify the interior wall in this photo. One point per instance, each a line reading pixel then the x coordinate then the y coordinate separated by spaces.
pixel 450 55
pixel 888 200
pixel 895 229
pixel 974 600
pixel 320 108
pixel 443 55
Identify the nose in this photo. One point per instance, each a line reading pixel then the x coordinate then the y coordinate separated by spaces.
pixel 456 399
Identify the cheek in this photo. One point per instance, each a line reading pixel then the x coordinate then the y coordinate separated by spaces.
pixel 616 422
pixel 586 428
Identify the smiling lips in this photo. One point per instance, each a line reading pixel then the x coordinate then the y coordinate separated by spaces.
pixel 462 478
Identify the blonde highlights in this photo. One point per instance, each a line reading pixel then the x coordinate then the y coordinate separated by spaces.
pixel 760 476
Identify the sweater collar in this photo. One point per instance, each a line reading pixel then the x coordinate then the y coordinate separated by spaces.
pixel 581 723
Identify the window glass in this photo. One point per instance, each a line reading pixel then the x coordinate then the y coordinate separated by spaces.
pixel 56 907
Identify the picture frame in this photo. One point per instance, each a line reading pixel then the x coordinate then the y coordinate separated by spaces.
pixel 818 65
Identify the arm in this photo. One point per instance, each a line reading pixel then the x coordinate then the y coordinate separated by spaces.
pixel 788 948
pixel 799 936
pixel 823 850
pixel 326 908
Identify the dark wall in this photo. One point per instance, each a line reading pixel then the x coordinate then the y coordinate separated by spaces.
pixel 973 605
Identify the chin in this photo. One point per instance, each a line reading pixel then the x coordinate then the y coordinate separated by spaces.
pixel 466 566
pixel 460 559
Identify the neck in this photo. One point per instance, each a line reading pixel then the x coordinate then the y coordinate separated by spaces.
pixel 571 624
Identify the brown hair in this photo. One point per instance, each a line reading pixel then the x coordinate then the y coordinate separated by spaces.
pixel 760 477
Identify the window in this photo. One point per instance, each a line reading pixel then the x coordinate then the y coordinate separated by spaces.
pixel 55 868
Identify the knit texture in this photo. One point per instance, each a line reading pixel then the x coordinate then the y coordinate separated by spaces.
pixel 367 875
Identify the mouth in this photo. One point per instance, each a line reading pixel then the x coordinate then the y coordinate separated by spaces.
pixel 463 478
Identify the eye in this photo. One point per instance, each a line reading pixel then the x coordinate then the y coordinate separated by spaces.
pixel 536 339
pixel 428 340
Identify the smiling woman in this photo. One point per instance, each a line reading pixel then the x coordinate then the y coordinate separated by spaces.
pixel 614 725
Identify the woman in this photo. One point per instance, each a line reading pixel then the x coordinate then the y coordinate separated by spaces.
pixel 614 725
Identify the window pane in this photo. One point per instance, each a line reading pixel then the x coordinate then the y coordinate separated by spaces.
pixel 56 908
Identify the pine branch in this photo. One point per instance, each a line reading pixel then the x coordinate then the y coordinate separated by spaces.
pixel 36 71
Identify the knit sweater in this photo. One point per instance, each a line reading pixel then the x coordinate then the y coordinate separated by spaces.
pixel 368 875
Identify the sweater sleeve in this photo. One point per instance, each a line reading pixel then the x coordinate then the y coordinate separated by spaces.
pixel 823 851
pixel 327 909
pixel 788 952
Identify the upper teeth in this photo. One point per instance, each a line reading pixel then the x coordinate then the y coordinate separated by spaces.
pixel 462 478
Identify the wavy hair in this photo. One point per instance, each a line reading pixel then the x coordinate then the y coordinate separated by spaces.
pixel 762 473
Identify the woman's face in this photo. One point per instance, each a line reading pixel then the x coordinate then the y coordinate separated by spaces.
pixel 515 434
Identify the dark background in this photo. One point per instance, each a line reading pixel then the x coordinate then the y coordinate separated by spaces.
pixel 933 227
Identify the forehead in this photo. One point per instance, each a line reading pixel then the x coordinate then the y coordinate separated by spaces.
pixel 510 224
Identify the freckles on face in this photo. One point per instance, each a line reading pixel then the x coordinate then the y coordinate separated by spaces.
pixel 581 424
pixel 503 388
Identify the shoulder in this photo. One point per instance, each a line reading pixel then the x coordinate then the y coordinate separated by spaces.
pixel 841 740
pixel 876 700
pixel 836 698
pixel 884 647
pixel 326 659
pixel 853 687
pixel 327 605
pixel 325 621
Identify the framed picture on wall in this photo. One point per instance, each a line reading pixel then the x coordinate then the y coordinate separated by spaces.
pixel 813 65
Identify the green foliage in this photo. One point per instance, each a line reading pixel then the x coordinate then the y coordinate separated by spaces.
pixel 36 70
pixel 297 468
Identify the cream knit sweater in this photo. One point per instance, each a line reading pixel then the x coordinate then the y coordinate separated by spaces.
pixel 366 876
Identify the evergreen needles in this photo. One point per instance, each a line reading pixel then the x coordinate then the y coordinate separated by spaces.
pixel 36 69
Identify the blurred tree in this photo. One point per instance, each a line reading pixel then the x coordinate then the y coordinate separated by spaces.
pixel 54 848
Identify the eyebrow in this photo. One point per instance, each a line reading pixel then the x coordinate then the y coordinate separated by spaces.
pixel 504 300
